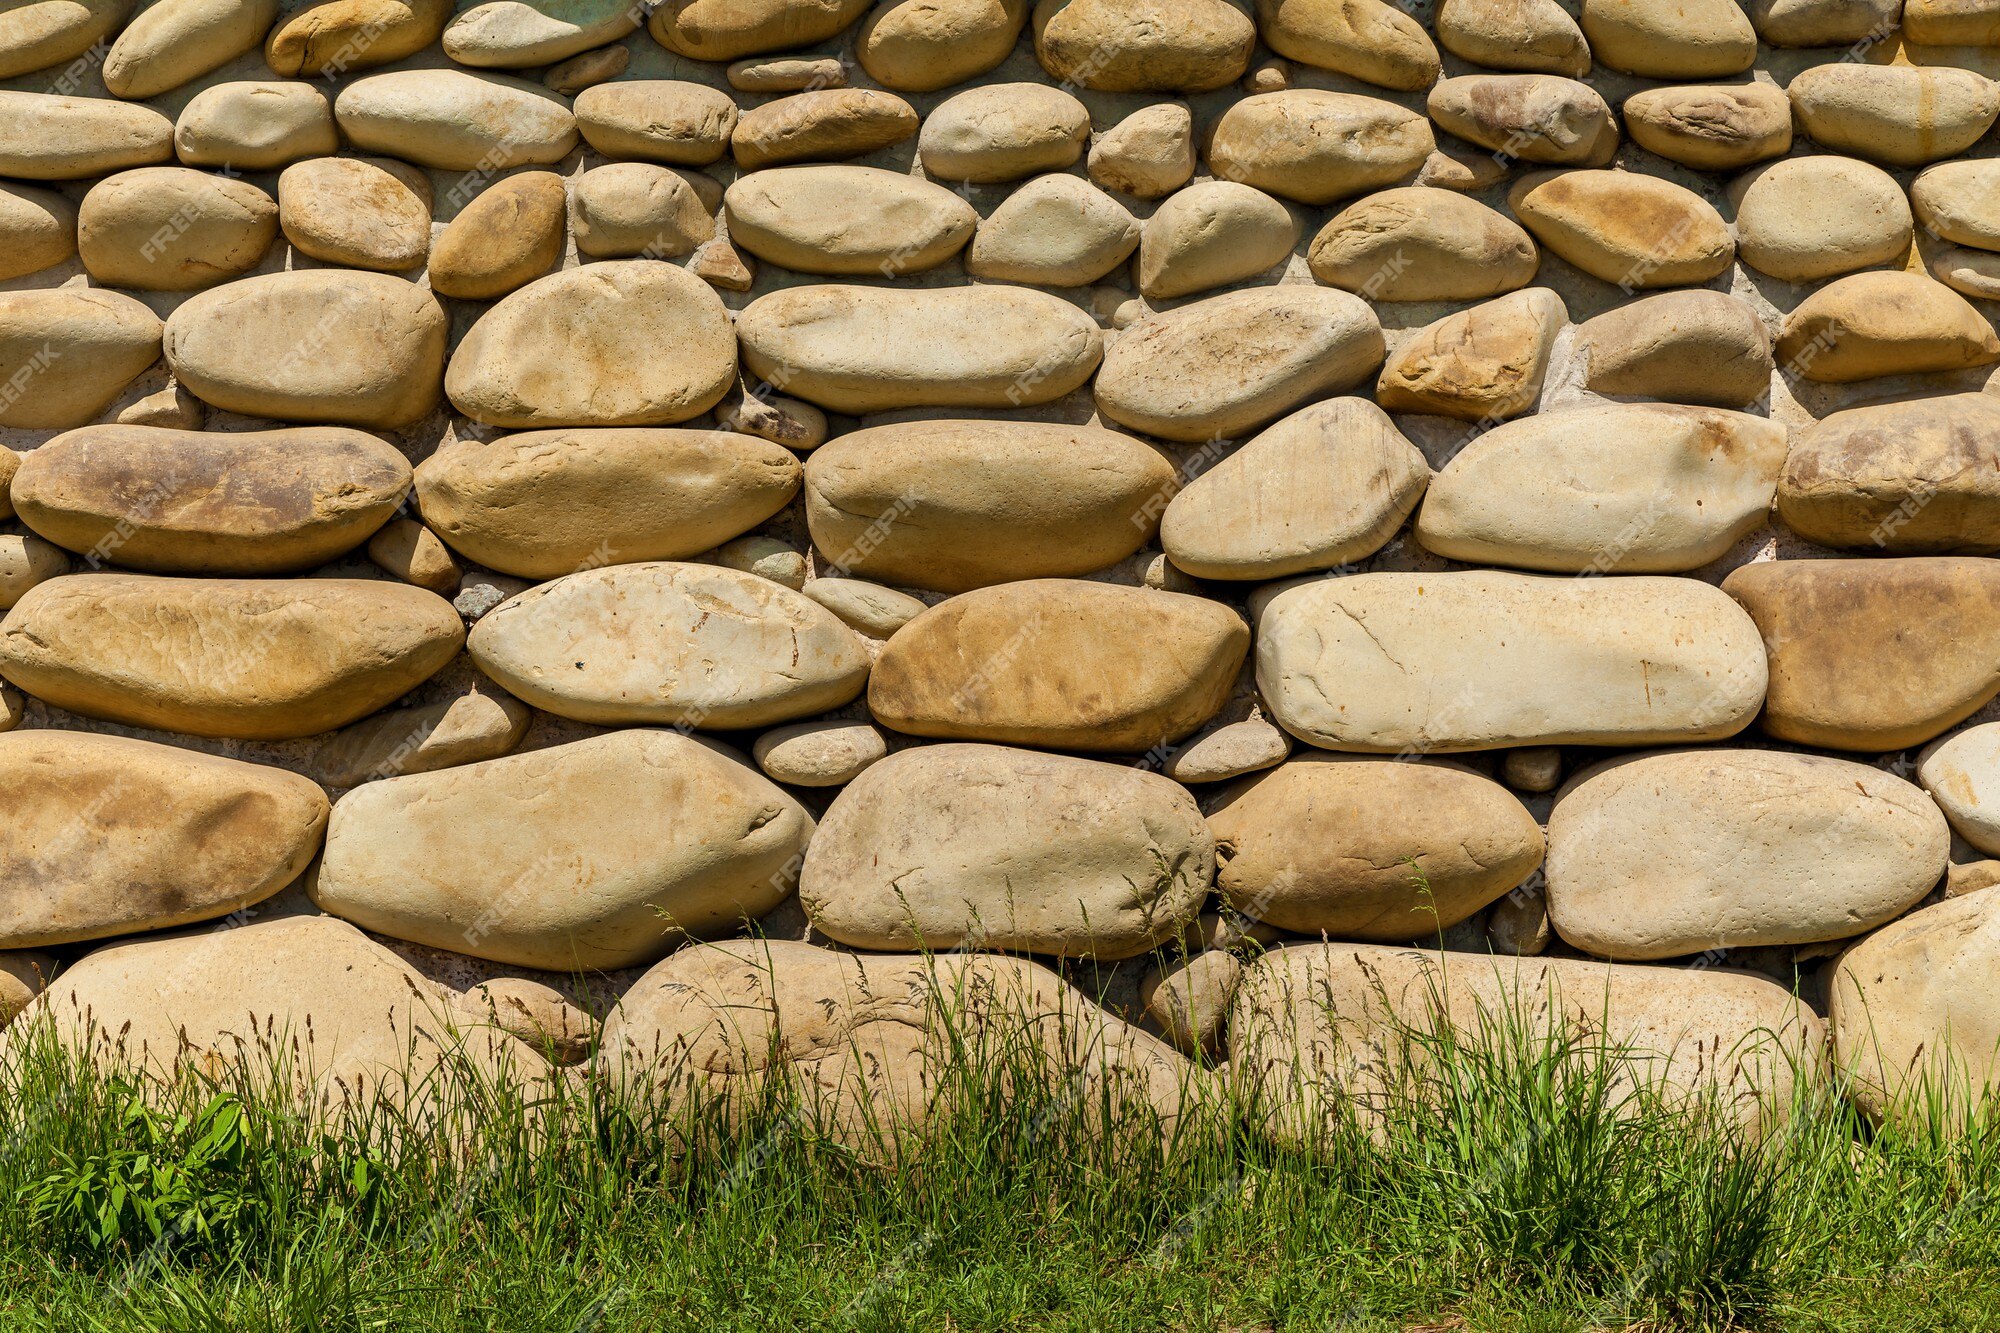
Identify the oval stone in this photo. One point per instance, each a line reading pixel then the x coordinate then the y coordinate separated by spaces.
pixel 66 353
pixel 255 126
pixel 510 234
pixel 37 230
pixel 106 836
pixel 643 344
pixel 1960 202
pixel 601 853
pixel 189 502
pixel 1054 231
pixel 1369 40
pixel 1809 218
pixel 688 645
pixel 1903 115
pixel 1138 46
pixel 731 29
pixel 1624 227
pixel 1689 39
pixel 253 659
pixel 984 846
pixel 353 213
pixel 1682 485
pixel 870 349
pixel 1663 855
pixel 920 46
pixel 1535 35
pixel 172 229
pixel 1712 127
pixel 819 754
pixel 1369 849
pixel 454 121
pixel 1962 774
pixel 1528 117
pixel 1316 146
pixel 173 42
pixel 40 33
pixel 1030 663
pixel 1483 660
pixel 955 505
pixel 1483 365
pixel 1225 366
pixel 541 504
pixel 332 345
pixel 511 34
pixel 1419 243
pixel 1210 235
pixel 336 37
pixel 657 120
pixel 832 218
pixel 1003 132
pixel 820 125
pixel 1680 347
pixel 1920 477
pixel 1883 322
pixel 48 137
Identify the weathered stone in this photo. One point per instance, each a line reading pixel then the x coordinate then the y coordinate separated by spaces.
pixel 361 349
pixel 823 125
pixel 24 974
pixel 1029 663
pixel 479 723
pixel 1485 364
pixel 173 42
pixel 1686 347
pixel 1422 244
pixel 190 502
pixel 1054 231
pixel 786 74
pixel 170 407
pixel 1534 768
pixel 40 33
pixel 172 229
pixel 1809 218
pixel 657 120
pixel 1824 22
pixel 1961 878
pixel 920 46
pixel 864 607
pixel 1148 154
pixel 356 213
pixel 600 853
pixel 1974 273
pixel 1528 117
pixel 720 264
pixel 531 1013
pixel 1463 169
pixel 693 645
pixel 1189 1001
pixel 511 233
pixel 955 505
pixel 1920 477
pixel 1902 115
pixel 1633 230
pixel 455 121
pixel 515 34
pixel 26 562
pixel 1962 774
pixel 1692 39
pixel 10 467
pixel 1534 35
pixel 1140 46
pixel 1951 22
pixel 1508 659
pixel 952 845
pixel 330 38
pixel 1229 751
pixel 847 220
pixel 256 659
pixel 1210 235
pixel 766 557
pixel 1681 486
pixel 643 343
pixel 1712 127
pixel 1326 486
pixel 1873 654
pixel 1883 323
pixel 1362 849
pixel 731 29
pixel 1225 366
pixel 781 420
pixel 1316 146
pixel 1003 132
pixel 255 126
pixel 405 549
pixel 638 210
pixel 1960 202
pixel 66 353
pixel 572 76
pixel 37 230
pixel 1368 40
pixel 819 754
pixel 870 349
pixel 46 137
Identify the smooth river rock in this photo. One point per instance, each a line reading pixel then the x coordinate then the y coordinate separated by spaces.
pixel 67 352
pixel 1711 127
pixel 1902 115
pixel 454 121
pixel 657 120
pixel 1139 46
pixel 1962 774
pixel 510 233
pixel 37 230
pixel 173 42
pixel 331 38
pixel 1536 35
pixel 39 33
pixel 1528 117
pixel 1683 40
pixel 1316 146
pixel 732 29
pixel 514 34
pixel 1420 243
pixel 1809 218
pixel 920 46
pixel 256 125
pixel 1630 229
pixel 1054 231
pixel 1919 477
pixel 820 125
pixel 1482 365
pixel 1883 323
pixel 173 229
pixel 1697 346
pixel 833 218
pixel 1003 132
pixel 51 137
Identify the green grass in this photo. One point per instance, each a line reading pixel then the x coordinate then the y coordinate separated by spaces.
pixel 1511 1185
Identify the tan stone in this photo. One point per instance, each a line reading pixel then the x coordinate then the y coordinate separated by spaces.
pixel 730 29
pixel 638 210
pixel 1534 768
pixel 1368 40
pixel 766 557
pixel 1687 347
pixel 864 607
pixel 819 754
pixel 1825 22
pixel 26 562
pixel 1974 273
pixel 41 33
pixel 1422 244
pixel 1528 117
pixel 1712 127
pixel 1138 46
pixel 24 974
pixel 37 230
pixel 172 229
pixel 46 137
pixel 1222 367
pixel 947 846
pixel 600 853
pixel 769 416
pixel 1960 202
pixel 572 76
pixel 1951 22
pixel 1809 218
pixel 1920 477
pixel 1189 1001
pixel 405 549
pixel 173 42
pixel 534 1014
pixel 513 34
pixel 193 502
pixel 644 344
pixel 1873 655
pixel 66 353
pixel 821 125
pixel 786 74
pixel 334 37
pixel 1229 751
pixel 483 722
pixel 1029 663
pixel 1970 877
pixel 1148 154
pixel 1534 35
pixel 1633 230
pixel 1003 132
pixel 831 218
pixel 1681 486
pixel 1901 115
pixel 510 233
pixel 721 650
pixel 1962 774
pixel 332 345
pixel 657 120
pixel 170 407
pixel 920 46
pixel 1053 231
pixel 1211 235
pixel 1465 170
pixel 1883 323
pixel 254 126
pixel 356 213
pixel 1325 486
pixel 455 121
pixel 870 349
pixel 1316 146
pixel 1485 364
pixel 10 467
pixel 1689 39
pixel 955 505
pixel 1509 659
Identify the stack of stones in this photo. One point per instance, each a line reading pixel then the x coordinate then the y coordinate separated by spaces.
pixel 1268 511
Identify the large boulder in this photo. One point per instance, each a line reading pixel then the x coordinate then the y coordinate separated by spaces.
pixel 982 846
pixel 597 854
pixel 1369 849
pixel 540 504
pixel 256 659
pixel 833 218
pixel 1140 46
pixel 1662 855
pixel 954 505
pixel 450 120
pixel 1874 654
pixel 1920 477
pixel 1030 663
pixel 191 502
pixel 67 352
pixel 110 836
pixel 689 645
pixel 1316 146
pixel 1479 660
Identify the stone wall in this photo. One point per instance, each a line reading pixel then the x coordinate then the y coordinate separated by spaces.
pixel 1137 483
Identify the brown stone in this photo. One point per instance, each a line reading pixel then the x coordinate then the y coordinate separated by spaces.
pixel 511 233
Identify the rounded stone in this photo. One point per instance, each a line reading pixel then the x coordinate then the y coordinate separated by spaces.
pixel 919 46
pixel 337 37
pixel 1712 127
pixel 254 126
pixel 26 562
pixel 511 233
pixel 786 73
pixel 1960 202
pixel 1422 244
pixel 1003 132
pixel 192 502
pixel 173 42
pixel 1951 22
pixel 1691 39
pixel 1485 364
pixel 819 754
pixel 532 1013
pixel 67 352
pixel 1534 35
pixel 1138 46
pixel 831 218
pixel 639 210
pixel 1189 1002
pixel 356 213
pixel 1210 235
pixel 657 120
pixel 1528 117
pixel 732 29
pixel 1229 751
pixel 1369 40
pixel 866 608
pixel 1316 146
pixel 514 34
pixel 822 125
pixel 1962 774
pixel 572 76
pixel 39 33
pixel 1883 323
pixel 48 137
pixel 1825 22
pixel 172 229
pixel 1920 477
pixel 1148 154
pixel 37 230
pixel 1809 218
pixel 1682 347
pixel 1903 115
pixel 1053 231
pixel 1633 230
pixel 469 724
pixel 454 121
